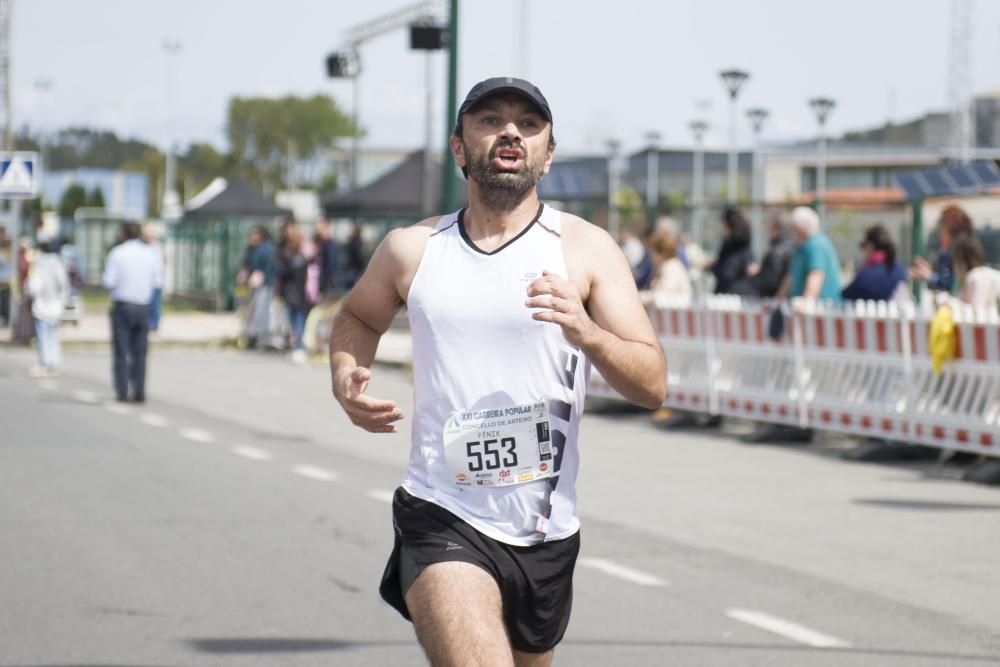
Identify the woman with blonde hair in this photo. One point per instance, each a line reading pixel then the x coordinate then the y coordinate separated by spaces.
pixel 979 285
pixel 670 284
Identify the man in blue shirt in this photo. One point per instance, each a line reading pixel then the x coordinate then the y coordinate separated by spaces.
pixel 815 270
pixel 132 271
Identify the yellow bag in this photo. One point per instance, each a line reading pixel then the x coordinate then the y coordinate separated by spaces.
pixel 942 339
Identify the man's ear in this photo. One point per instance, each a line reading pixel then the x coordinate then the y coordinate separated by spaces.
pixel 549 152
pixel 457 150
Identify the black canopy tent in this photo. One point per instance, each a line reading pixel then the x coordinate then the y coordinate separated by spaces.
pixel 395 198
pixel 208 241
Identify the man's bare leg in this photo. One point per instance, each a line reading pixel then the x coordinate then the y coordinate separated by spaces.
pixel 457 613
pixel 522 659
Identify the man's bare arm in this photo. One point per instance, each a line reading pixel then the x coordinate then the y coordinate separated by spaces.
pixel 814 284
pixel 613 329
pixel 365 315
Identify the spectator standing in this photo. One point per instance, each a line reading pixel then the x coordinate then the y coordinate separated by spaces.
pixel 881 274
pixel 328 259
pixel 638 258
pixel 151 238
pixel 940 276
pixel 48 286
pixel 980 284
pixel 6 275
pixel 670 280
pixel 259 269
pixel 355 258
pixel 293 269
pixel 24 327
pixel 131 273
pixel 815 270
pixel 774 267
pixel 732 267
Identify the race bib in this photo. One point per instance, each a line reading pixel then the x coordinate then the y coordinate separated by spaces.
pixel 499 446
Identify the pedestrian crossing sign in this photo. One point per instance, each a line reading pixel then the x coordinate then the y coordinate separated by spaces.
pixel 19 175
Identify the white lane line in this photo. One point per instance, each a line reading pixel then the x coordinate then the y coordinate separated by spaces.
pixel 118 408
pixel 786 629
pixel 197 435
pixel 252 453
pixel 153 419
pixel 85 396
pixel 621 572
pixel 49 385
pixel 381 494
pixel 312 472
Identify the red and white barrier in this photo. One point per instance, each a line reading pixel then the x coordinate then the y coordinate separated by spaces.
pixel 862 369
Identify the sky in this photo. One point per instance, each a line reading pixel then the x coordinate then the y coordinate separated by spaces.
pixel 610 70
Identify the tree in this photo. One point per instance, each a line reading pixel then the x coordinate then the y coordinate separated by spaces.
pixel 73 198
pixel 269 136
pixel 153 164
pixel 96 198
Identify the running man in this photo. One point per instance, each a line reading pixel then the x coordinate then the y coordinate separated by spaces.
pixel 509 302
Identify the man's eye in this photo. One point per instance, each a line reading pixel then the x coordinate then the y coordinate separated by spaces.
pixel 529 123
pixel 490 120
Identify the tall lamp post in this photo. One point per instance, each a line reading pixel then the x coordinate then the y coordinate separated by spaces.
pixel 821 106
pixel 653 176
pixel 733 80
pixel 757 118
pixel 613 146
pixel 698 128
pixel 170 209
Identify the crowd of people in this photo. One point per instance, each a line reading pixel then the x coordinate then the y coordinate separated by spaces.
pixel 801 262
pixel 302 270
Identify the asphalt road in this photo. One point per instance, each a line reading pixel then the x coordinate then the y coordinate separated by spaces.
pixel 239 519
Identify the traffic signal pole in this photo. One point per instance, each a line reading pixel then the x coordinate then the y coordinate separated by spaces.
pixel 448 198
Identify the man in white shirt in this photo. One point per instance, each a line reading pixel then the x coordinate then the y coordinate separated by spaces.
pixel 132 272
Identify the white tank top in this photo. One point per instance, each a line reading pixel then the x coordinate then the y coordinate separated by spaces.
pixel 497 395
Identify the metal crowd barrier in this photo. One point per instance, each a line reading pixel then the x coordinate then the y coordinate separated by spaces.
pixel 862 369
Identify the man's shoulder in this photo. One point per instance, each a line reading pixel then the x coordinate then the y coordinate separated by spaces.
pixel 412 236
pixel 577 230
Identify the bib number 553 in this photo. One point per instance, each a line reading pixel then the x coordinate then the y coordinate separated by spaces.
pixel 491 454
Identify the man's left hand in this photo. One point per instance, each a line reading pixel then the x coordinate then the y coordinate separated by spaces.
pixel 563 306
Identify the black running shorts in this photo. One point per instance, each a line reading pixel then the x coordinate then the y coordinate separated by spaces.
pixel 536 582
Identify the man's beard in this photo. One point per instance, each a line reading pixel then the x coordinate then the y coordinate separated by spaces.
pixel 503 190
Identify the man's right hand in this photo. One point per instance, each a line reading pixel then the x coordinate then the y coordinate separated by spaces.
pixel 373 415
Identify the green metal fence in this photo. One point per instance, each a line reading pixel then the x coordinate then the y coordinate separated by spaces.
pixel 206 255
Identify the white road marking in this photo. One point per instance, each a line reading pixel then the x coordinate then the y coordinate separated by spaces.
pixel 118 408
pixel 85 396
pixel 621 572
pixel 153 419
pixel 786 629
pixel 312 472
pixel 48 385
pixel 197 435
pixel 381 494
pixel 252 453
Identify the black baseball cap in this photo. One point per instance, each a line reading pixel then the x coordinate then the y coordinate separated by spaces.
pixel 506 84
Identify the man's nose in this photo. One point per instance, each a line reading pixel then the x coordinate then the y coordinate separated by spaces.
pixel 510 130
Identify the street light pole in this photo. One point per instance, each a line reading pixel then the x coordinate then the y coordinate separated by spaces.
pixel 43 86
pixel 653 176
pixel 449 197
pixel 613 146
pixel 170 208
pixel 698 128
pixel 821 106
pixel 733 80
pixel 757 118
